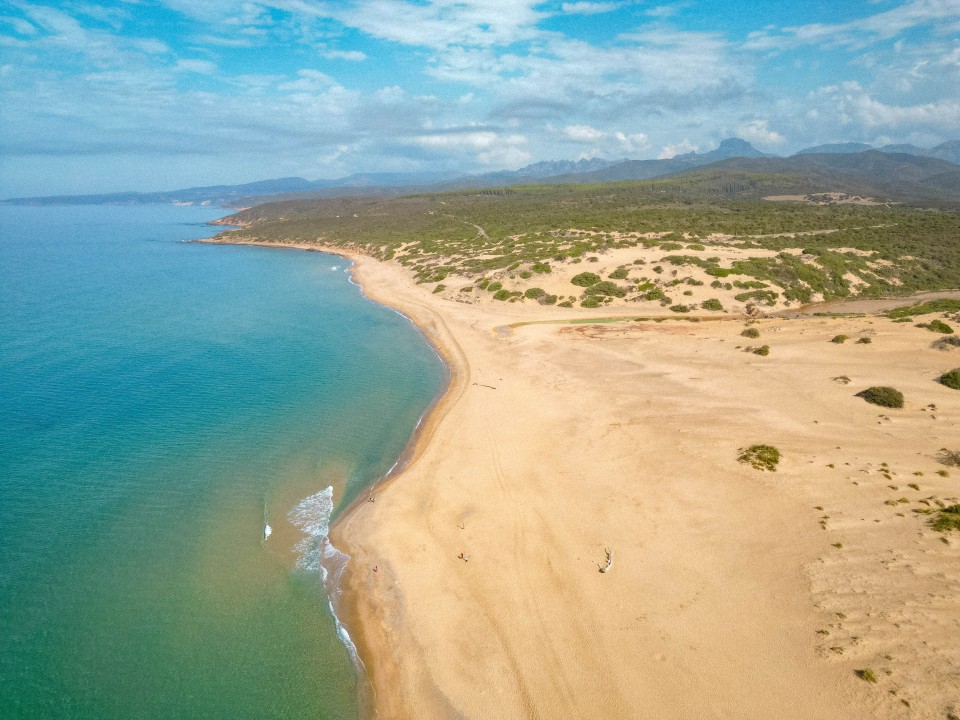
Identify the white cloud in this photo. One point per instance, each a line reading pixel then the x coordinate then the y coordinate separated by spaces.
pixel 582 133
pixel 858 33
pixel 351 55
pixel 669 151
pixel 758 131
pixel 201 67
pixel 588 8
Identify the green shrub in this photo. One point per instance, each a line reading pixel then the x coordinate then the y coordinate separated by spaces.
pixel 566 304
pixel 534 293
pixel 620 273
pixel 761 457
pixel 542 267
pixel 585 279
pixel 494 286
pixel 938 326
pixel 680 308
pixel 951 379
pixel 839 339
pixel 947 519
pixel 696 246
pixel 548 300
pixel 591 302
pixel 763 350
pixel 882 395
pixel 867 675
pixel 526 275
pixel 931 306
pixel 502 295
pixel 751 333
pixel 950 458
pixel 439 288
pixel 656 294
pixel 605 288
pixel 711 304
pixel 864 341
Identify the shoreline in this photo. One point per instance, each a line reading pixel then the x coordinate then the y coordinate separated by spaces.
pixel 353 592
pixel 581 436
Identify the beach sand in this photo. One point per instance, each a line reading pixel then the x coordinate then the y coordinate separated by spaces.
pixel 474 588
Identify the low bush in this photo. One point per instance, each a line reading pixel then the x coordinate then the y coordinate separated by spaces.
pixel 585 279
pixel 761 457
pixel 439 288
pixel 712 304
pixel 605 288
pixel 864 341
pixel 751 333
pixel 947 520
pixel 951 379
pixel 947 343
pixel 502 295
pixel 950 458
pixel 620 273
pixel 591 302
pixel 938 326
pixel 681 308
pixel 534 293
pixel 548 300
pixel 839 339
pixel 494 286
pixel 763 350
pixel 882 395
pixel 867 675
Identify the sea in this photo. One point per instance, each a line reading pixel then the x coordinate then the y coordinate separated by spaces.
pixel 178 423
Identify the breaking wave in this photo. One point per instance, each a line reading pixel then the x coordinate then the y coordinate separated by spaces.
pixel 316 554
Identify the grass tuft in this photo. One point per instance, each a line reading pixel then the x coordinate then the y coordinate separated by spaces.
pixel 761 457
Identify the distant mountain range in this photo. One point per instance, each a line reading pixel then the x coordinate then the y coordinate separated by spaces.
pixel 902 172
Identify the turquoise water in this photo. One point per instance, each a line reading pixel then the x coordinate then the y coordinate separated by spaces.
pixel 160 403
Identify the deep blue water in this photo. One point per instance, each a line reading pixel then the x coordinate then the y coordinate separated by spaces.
pixel 160 403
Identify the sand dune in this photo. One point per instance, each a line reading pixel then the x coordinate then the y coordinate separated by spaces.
pixel 726 593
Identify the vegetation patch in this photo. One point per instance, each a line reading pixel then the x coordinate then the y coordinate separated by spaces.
pixel 839 339
pixel 761 457
pixel 712 304
pixel 947 343
pixel 937 326
pixel 947 519
pixel 882 395
pixel 751 333
pixel 534 293
pixel 943 305
pixel 867 675
pixel 585 279
pixel 763 350
pixel 951 379
pixel 864 341
pixel 605 288
pixel 620 273
pixel 950 458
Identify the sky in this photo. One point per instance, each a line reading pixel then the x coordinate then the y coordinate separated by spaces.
pixel 164 94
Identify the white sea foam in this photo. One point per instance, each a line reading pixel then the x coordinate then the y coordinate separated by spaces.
pixel 318 555
pixel 267 531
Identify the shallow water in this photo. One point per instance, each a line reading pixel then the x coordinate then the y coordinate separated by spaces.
pixel 161 404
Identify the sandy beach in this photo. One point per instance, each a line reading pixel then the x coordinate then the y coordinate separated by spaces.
pixel 474 587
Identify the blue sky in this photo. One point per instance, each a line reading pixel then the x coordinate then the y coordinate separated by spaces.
pixel 162 94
